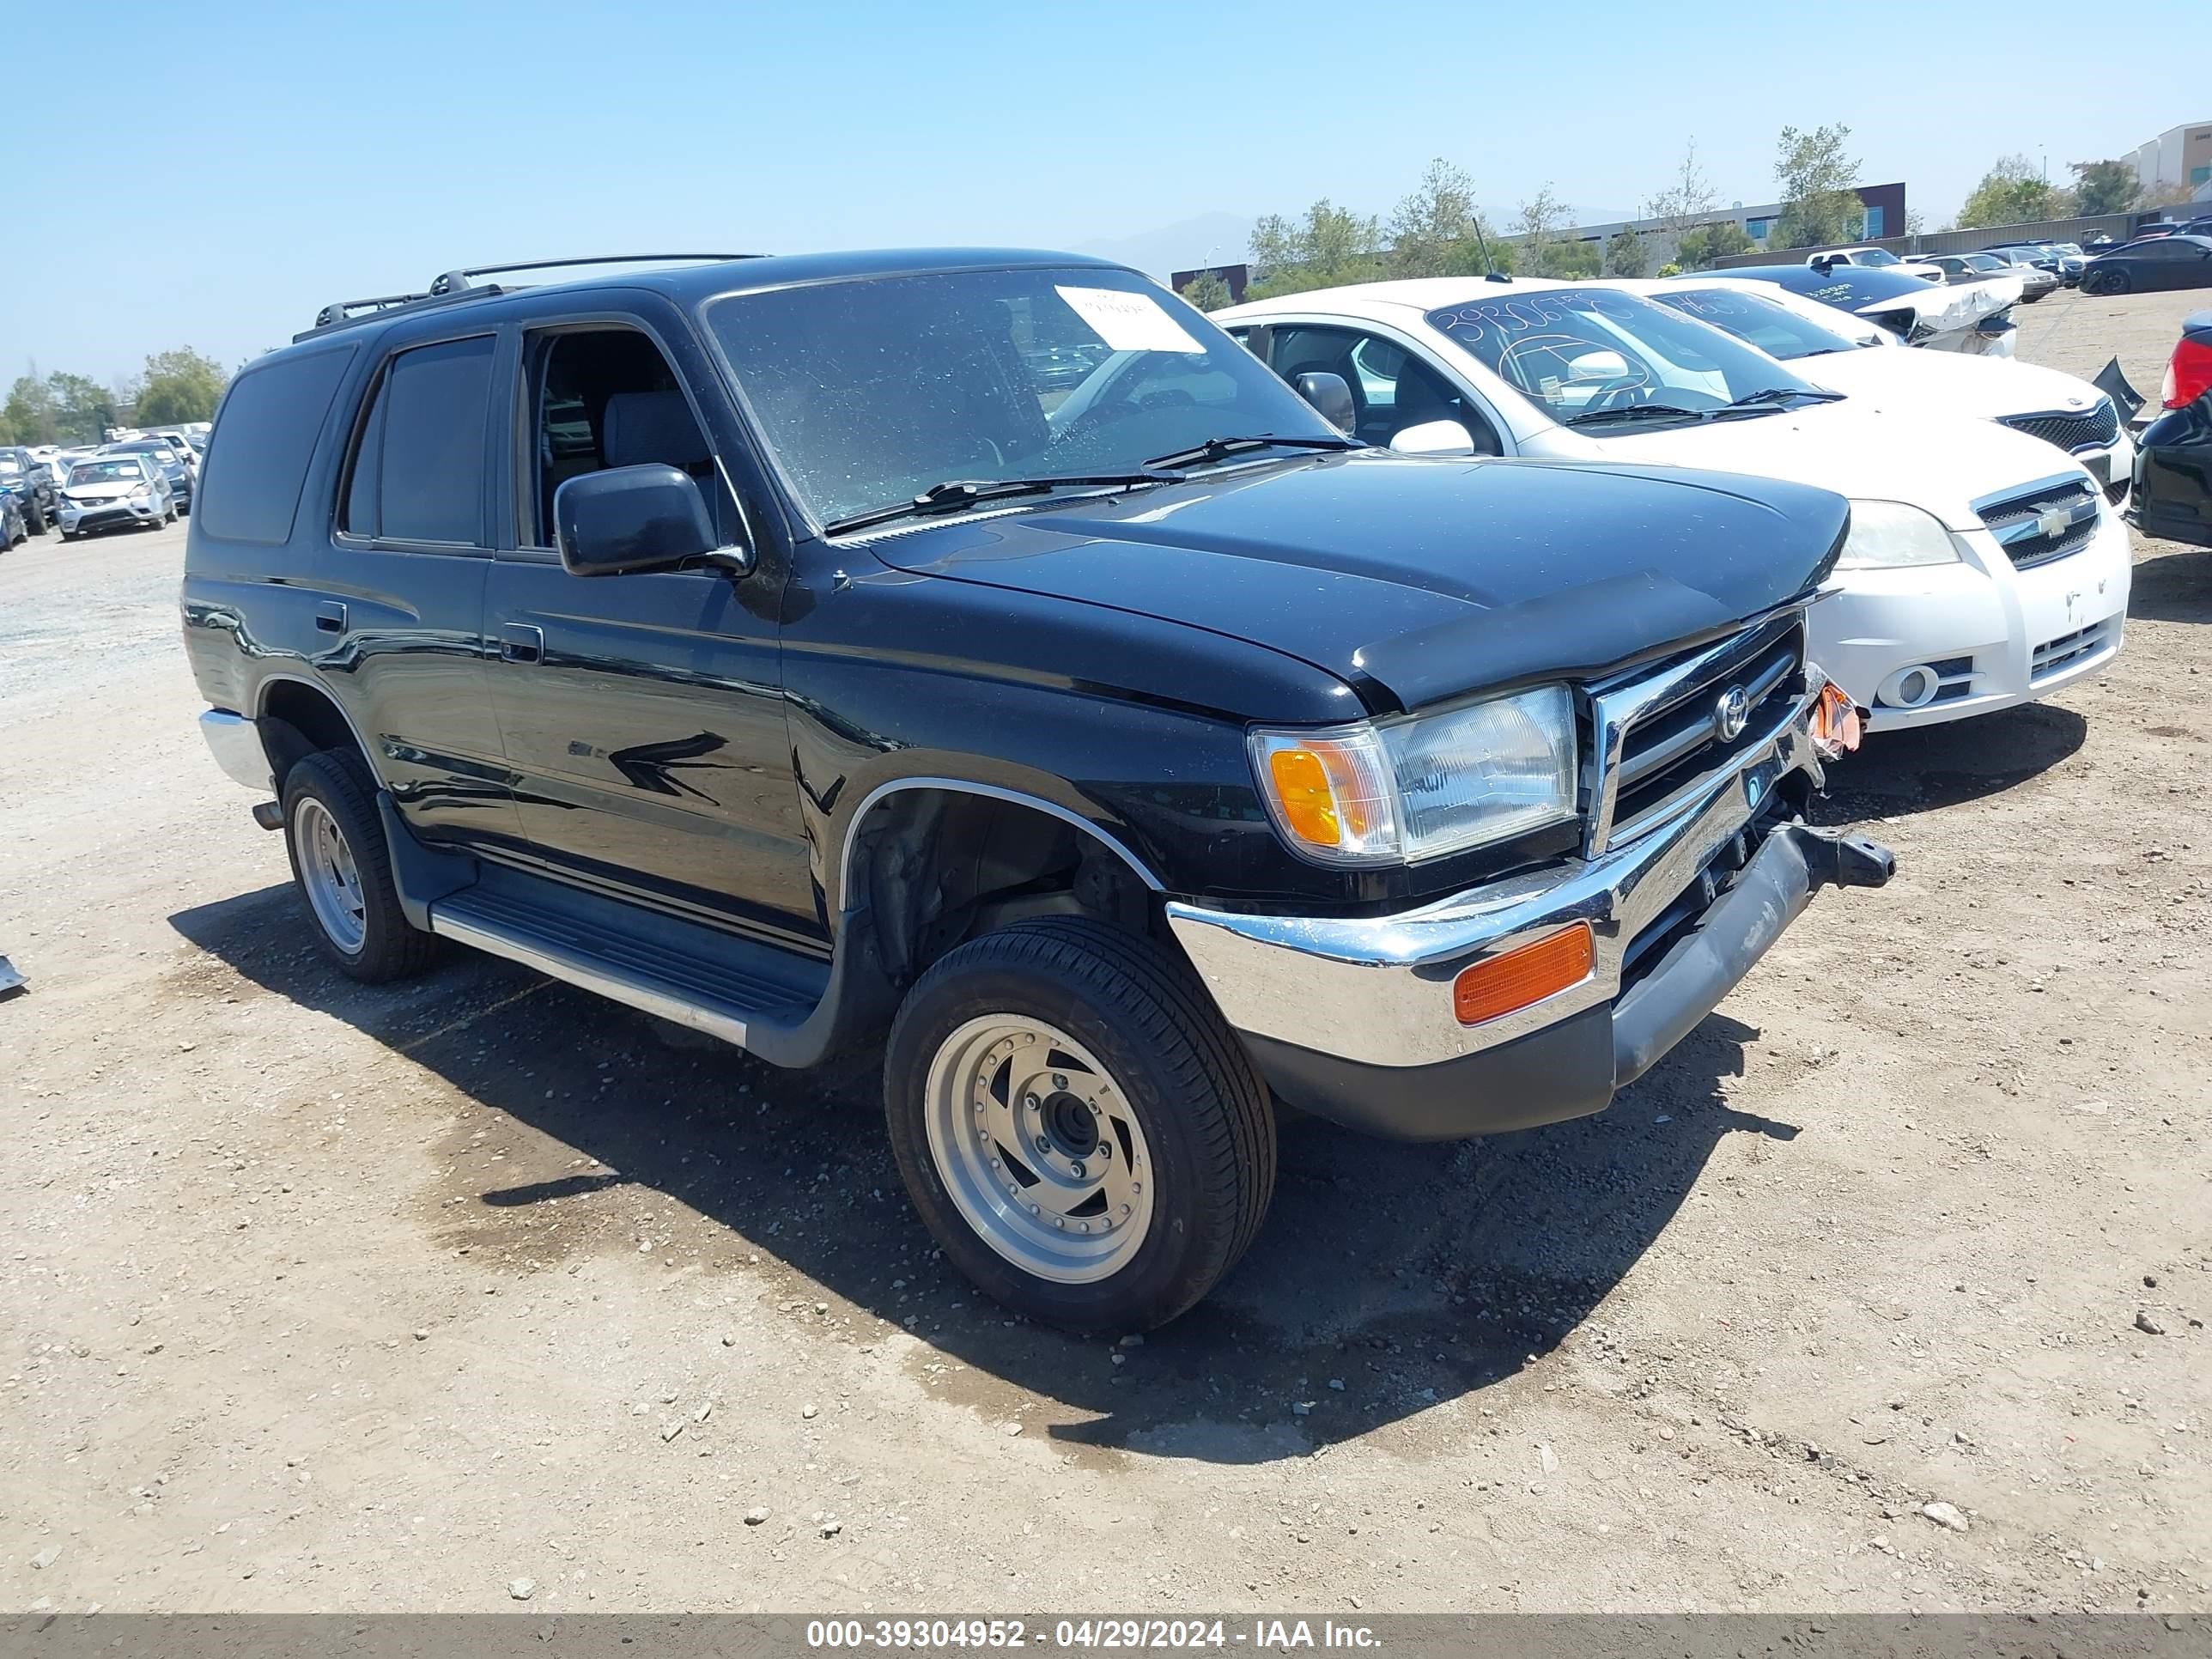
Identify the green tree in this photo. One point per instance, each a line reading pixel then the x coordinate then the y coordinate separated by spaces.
pixel 1538 227
pixel 1625 255
pixel 2105 187
pixel 1330 247
pixel 1206 291
pixel 184 386
pixel 29 413
pixel 1687 202
pixel 1819 205
pixel 1702 247
pixel 2013 192
pixel 1567 260
pixel 1428 227
pixel 82 407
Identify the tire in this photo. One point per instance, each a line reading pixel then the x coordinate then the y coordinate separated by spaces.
pixel 330 790
pixel 35 519
pixel 1179 1093
pixel 2112 282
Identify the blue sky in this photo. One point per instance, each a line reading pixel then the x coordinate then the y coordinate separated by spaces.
pixel 339 151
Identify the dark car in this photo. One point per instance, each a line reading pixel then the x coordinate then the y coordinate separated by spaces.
pixel 757 644
pixel 30 483
pixel 2158 261
pixel 12 527
pixel 2173 455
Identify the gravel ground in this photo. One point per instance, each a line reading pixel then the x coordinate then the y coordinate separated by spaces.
pixel 317 1297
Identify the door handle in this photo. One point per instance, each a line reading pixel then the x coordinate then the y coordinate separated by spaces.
pixel 331 618
pixel 520 642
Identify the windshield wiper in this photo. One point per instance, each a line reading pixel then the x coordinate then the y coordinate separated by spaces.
pixel 1220 449
pixel 957 494
pixel 1781 394
pixel 1636 412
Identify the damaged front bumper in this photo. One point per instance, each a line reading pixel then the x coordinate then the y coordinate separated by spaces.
pixel 1354 1017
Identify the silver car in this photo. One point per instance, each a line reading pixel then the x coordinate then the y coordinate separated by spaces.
pixel 109 490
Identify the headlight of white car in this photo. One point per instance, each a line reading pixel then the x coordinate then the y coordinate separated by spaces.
pixel 1890 535
pixel 1419 788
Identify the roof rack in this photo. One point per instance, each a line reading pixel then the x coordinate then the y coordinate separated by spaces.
pixel 461 284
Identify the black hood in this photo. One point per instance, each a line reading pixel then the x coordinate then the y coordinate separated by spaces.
pixel 1419 580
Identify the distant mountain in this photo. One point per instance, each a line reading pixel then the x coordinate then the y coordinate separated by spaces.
pixel 1219 238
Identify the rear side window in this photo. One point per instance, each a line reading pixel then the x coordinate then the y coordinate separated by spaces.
pixel 417 471
pixel 270 419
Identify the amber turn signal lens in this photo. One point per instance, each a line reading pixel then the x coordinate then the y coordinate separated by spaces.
pixel 1835 725
pixel 1501 984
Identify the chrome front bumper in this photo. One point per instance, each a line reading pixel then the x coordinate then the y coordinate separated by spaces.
pixel 236 743
pixel 1377 991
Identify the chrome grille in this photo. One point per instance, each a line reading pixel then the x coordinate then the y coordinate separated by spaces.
pixel 2048 521
pixel 1656 734
pixel 2095 427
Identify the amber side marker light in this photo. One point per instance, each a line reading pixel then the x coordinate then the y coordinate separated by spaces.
pixel 1502 983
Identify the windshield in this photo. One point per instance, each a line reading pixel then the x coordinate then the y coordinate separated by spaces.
pixel 1875 256
pixel 1776 330
pixel 10 467
pixel 872 390
pixel 118 471
pixel 1587 351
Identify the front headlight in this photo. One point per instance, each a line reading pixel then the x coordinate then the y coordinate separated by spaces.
pixel 1891 535
pixel 143 493
pixel 1419 788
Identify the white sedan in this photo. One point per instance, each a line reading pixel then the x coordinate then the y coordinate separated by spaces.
pixel 1869 362
pixel 1983 567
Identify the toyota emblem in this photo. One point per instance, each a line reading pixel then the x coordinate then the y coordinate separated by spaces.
pixel 1731 713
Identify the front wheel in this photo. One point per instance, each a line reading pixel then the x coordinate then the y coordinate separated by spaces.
pixel 1081 1133
pixel 336 842
pixel 2111 282
pixel 35 519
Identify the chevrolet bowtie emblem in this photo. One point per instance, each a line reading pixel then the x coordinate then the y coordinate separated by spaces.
pixel 2054 521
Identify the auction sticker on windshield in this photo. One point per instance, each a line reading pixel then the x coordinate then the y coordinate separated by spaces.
pixel 1129 322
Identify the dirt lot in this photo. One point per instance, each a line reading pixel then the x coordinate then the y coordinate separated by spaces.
pixel 317 1297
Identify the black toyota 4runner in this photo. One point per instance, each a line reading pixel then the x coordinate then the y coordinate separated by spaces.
pixel 792 648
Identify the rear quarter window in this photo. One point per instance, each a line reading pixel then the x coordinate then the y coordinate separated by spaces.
pixel 264 436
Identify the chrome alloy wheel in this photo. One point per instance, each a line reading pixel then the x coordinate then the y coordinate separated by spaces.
pixel 328 872
pixel 1039 1149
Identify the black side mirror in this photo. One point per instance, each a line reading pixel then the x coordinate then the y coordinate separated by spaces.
pixel 1330 396
pixel 1824 265
pixel 631 518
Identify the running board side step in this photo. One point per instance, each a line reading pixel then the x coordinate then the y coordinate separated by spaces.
pixel 789 1009
pixel 449 919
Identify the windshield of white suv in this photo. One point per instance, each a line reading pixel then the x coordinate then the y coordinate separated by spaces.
pixel 10 467
pixel 873 391
pixel 1598 357
pixel 1776 330
pixel 1875 256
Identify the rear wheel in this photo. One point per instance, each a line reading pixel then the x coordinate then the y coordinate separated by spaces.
pixel 336 842
pixel 1081 1133
pixel 35 519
